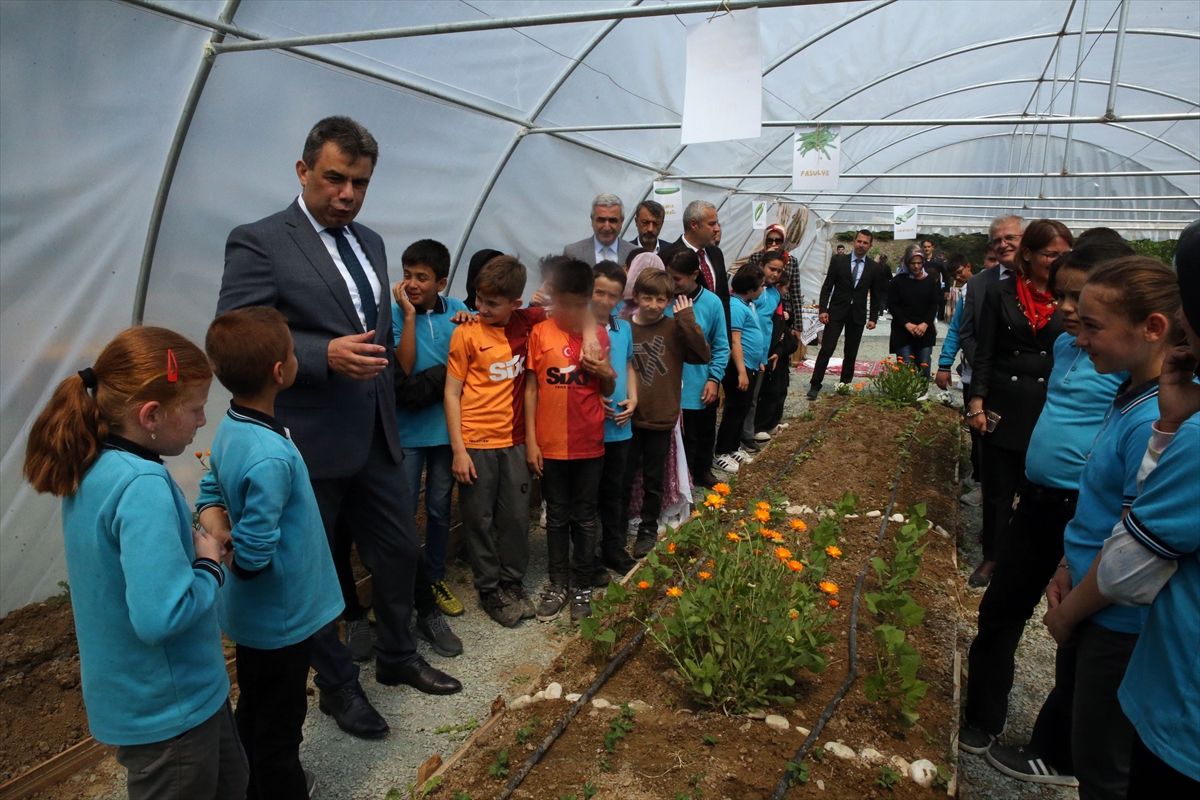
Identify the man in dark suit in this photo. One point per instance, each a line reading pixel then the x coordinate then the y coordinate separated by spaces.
pixel 936 267
pixel 700 229
pixel 605 243
pixel 328 275
pixel 851 278
pixel 648 217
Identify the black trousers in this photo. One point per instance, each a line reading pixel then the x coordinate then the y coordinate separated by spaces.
pixel 570 488
pixel 1027 561
pixel 829 340
pixel 1151 778
pixel 649 450
pixel 699 438
pixel 374 503
pixel 613 529
pixel 771 397
pixel 270 714
pixel 737 406
pixel 1002 473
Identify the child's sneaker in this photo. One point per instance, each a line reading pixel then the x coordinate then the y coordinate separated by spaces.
pixel 581 604
pixel 447 603
pixel 516 592
pixel 727 463
pixel 1018 761
pixel 500 608
pixel 552 601
pixel 762 436
pixel 742 456
pixel 433 629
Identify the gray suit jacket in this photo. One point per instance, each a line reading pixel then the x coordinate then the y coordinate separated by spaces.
pixel 972 308
pixel 280 261
pixel 585 251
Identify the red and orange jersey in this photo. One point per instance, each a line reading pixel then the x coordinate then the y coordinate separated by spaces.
pixel 490 362
pixel 570 408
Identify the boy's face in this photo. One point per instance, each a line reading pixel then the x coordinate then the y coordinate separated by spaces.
pixel 1068 283
pixel 606 293
pixel 771 271
pixel 651 307
pixel 422 286
pixel 684 283
pixel 570 312
pixel 495 310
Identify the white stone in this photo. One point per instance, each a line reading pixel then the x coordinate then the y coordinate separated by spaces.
pixel 540 696
pixel 745 727
pixel 641 706
pixel 840 750
pixel 794 511
pixel 850 516
pixel 573 697
pixel 821 785
pixel 802 730
pixel 777 722
pixel 805 510
pixel 554 691
pixel 940 531
pixel 524 701
pixel 757 713
pixel 923 771
pixel 900 765
pixel 874 514
pixel 600 702
pixel 872 756
pixel 896 518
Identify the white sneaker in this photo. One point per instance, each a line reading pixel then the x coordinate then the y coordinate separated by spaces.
pixel 973 498
pixel 726 463
pixel 762 436
pixel 742 456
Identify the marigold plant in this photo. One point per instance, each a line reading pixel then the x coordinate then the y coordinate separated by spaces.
pixel 894 387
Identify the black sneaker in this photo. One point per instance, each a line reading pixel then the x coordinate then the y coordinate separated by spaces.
pixel 645 543
pixel 581 604
pixel 500 608
pixel 813 393
pixel 516 592
pixel 435 630
pixel 551 604
pixel 974 740
pixel 619 562
pixel 1022 763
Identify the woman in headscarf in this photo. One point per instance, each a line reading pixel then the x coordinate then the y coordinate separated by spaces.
pixel 914 297
pixel 640 262
pixel 775 240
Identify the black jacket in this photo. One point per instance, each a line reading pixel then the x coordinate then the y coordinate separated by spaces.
pixel 1012 365
pixel 915 301
pixel 842 300
pixel 716 262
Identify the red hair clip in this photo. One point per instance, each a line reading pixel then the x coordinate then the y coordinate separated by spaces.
pixel 172 367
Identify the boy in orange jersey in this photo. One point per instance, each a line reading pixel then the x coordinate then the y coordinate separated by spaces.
pixel 564 430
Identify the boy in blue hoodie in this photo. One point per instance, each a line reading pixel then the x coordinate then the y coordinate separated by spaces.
pixel 283 587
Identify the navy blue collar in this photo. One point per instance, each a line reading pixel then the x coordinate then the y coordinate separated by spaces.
pixel 115 442
pixel 1130 396
pixel 612 323
pixel 254 417
pixel 440 306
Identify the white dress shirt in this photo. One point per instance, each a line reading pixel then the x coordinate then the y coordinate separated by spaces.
pixel 606 252
pixel 331 245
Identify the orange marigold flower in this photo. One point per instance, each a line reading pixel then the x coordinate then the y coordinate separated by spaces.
pixel 643 585
pixel 764 505
pixel 782 553
pixel 199 454
pixel 794 565
pixel 895 369
pixel 208 452
pixel 733 536
pixel 762 516
pixel 833 551
pixel 712 564
pixel 924 364
pixel 794 614
pixel 774 536
pixel 671 547
pixel 674 591
pixel 859 385
pixel 757 552
pixel 721 488
pixel 714 501
pixel 834 604
pixel 828 587
pixel 798 525
pixel 705 576
pixel 695 512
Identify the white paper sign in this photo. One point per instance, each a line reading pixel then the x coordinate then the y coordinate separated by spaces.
pixel 722 94
pixel 816 157
pixel 906 222
pixel 670 195
pixel 758 212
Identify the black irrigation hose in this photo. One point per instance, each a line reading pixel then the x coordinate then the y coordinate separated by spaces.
pixel 626 651
pixel 793 765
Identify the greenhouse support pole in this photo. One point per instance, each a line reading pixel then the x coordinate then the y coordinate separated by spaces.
pixel 1075 88
pixel 1118 51
pixel 173 154
pixel 1053 93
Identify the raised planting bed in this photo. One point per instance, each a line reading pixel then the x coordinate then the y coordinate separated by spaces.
pixel 684 713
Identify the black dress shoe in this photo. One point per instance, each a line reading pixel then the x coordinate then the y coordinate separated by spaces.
pixel 619 562
pixel 418 675
pixel 707 479
pixel 353 712
pixel 813 393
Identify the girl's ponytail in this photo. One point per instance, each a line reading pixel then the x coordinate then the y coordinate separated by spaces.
pixel 140 365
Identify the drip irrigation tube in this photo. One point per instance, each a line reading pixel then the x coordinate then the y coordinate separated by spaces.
pixel 852 658
pixel 623 655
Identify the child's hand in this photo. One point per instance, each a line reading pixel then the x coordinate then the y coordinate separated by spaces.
pixel 773 361
pixel 533 457
pixel 628 407
pixel 402 300
pixel 710 392
pixel 597 366
pixel 540 298
pixel 206 545
pixel 461 317
pixel 463 469
pixel 681 302
pixel 743 380
pixel 594 351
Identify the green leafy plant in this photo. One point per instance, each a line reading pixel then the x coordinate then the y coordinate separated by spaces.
pixel 898 384
pixel 589 790
pixel 887 777
pixel 797 773
pixel 607 621
pixel 63 597
pixel 465 727
pixel 694 784
pixel 604 764
pixel 808 416
pixel 895 678
pixel 524 733
pixel 892 600
pixel 710 740
pixel 942 779
pixel 414 792
pixel 459 794
pixel 619 729
pixel 820 139
pixel 499 766
pixel 818 754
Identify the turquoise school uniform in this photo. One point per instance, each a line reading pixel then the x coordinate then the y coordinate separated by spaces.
pixel 150 651
pixel 620 343
pixel 283 588
pixel 1161 691
pixel 743 318
pixel 1107 486
pixel 427 427
pixel 709 312
pixel 764 306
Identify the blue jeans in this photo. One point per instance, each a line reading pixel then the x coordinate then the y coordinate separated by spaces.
pixel 916 355
pixel 435 463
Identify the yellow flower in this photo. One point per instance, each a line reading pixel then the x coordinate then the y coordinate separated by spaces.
pixel 794 565
pixel 643 585
pixel 705 576
pixel 828 587
pixel 782 553
pixel 721 488
pixel 765 506
pixel 733 537
pixel 833 552
pixel 671 547
pixel 714 501
pixel 798 525
pixel 794 614
pixel 674 591
pixel 762 516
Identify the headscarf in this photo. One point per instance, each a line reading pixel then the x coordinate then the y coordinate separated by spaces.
pixel 640 262
pixel 1187 271
pixel 476 264
pixel 778 229
pixel 909 252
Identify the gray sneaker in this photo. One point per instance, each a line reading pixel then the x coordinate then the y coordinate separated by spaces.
pixel 1018 761
pixel 435 630
pixel 516 592
pixel 553 599
pixel 500 608
pixel 358 639
pixel 581 604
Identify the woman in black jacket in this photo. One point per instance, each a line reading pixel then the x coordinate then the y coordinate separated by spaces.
pixel 913 299
pixel 1014 353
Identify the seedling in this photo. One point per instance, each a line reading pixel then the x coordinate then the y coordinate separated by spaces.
pixel 499 767
pixel 589 790
pixel 605 765
pixel 797 773
pixel 887 777
pixel 710 740
pixel 465 727
pixel 459 794
pixel 818 754
pixel 523 733
pixel 942 779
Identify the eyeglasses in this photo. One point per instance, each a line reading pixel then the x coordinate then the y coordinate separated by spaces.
pixel 1051 254
pixel 1012 238
pixel 774 241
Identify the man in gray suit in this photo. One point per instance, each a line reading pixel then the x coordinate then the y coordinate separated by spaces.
pixel 329 277
pixel 605 244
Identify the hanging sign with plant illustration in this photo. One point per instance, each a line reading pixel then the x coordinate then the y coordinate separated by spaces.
pixel 758 212
pixel 816 157
pixel 670 194
pixel 906 222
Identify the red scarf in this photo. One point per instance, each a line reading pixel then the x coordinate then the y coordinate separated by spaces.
pixel 1038 306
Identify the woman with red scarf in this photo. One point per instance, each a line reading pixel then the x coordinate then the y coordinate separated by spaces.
pixel 1014 353
pixel 775 239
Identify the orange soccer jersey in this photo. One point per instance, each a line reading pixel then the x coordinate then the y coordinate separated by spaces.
pixel 570 410
pixel 490 362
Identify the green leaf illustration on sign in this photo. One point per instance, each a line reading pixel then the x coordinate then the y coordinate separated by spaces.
pixel 759 208
pixel 819 139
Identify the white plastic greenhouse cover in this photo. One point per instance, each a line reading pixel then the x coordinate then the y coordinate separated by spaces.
pixel 92 92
